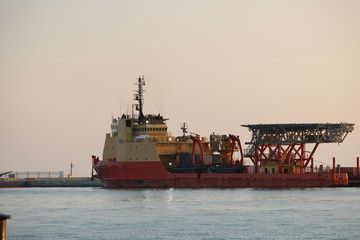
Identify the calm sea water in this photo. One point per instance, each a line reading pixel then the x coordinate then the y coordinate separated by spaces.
pixel 96 213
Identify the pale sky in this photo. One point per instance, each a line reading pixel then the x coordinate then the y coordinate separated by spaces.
pixel 67 66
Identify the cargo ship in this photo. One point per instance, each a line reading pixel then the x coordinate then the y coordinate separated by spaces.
pixel 140 152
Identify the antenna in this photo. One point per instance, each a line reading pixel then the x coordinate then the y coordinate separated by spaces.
pixel 120 113
pixel 138 96
pixel 184 128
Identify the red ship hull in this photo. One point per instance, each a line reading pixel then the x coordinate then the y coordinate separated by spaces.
pixel 154 175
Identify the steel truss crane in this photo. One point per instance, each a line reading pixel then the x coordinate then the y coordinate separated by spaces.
pixel 284 145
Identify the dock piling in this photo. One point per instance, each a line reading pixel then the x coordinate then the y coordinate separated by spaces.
pixel 3 218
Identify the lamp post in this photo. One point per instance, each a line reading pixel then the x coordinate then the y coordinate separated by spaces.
pixel 71 168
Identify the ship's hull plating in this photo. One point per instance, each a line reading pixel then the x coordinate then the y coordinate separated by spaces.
pixel 154 175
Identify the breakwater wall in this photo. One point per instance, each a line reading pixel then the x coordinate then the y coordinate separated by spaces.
pixel 50 182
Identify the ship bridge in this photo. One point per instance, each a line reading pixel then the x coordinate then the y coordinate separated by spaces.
pixel 285 143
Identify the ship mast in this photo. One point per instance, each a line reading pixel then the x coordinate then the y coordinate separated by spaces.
pixel 139 97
